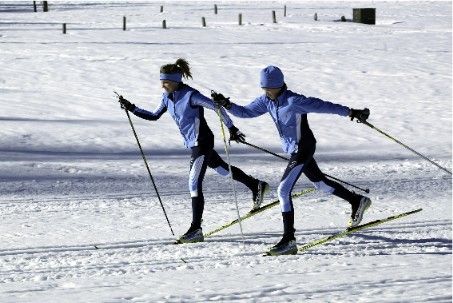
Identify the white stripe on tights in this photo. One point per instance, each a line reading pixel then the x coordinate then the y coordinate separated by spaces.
pixel 285 187
pixel 194 176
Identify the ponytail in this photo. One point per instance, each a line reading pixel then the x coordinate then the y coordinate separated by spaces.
pixel 184 67
pixel 181 66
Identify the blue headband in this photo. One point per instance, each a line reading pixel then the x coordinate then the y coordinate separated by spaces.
pixel 176 77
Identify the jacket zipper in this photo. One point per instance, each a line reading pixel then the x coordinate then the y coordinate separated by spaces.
pixel 278 120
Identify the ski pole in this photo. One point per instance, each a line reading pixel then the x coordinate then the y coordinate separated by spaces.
pixel 284 158
pixel 147 167
pixel 230 170
pixel 404 145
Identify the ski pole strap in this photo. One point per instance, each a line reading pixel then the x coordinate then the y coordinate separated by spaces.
pixel 405 146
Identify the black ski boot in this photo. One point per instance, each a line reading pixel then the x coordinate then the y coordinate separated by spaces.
pixel 258 194
pixel 286 246
pixel 358 209
pixel 193 235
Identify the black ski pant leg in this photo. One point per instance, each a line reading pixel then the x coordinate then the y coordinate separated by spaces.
pixel 321 182
pixel 288 225
pixel 198 166
pixel 216 162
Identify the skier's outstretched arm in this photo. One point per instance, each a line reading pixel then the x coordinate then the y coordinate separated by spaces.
pixel 254 109
pixel 142 113
pixel 152 116
pixel 315 105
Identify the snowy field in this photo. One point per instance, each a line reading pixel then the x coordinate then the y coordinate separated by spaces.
pixel 71 176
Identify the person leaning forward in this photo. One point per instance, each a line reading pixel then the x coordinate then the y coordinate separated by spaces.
pixel 289 112
pixel 186 106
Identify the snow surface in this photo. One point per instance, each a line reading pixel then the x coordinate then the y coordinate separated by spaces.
pixel 71 177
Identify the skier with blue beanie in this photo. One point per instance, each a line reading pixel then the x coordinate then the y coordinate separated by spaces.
pixel 186 107
pixel 289 112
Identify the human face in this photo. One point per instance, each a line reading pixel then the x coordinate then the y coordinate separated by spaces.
pixel 169 86
pixel 272 93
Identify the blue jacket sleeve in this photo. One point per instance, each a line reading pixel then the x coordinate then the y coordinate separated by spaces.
pixel 254 109
pixel 201 100
pixel 315 105
pixel 152 116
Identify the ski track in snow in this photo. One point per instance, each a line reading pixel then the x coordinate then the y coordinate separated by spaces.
pixel 123 246
pixel 80 222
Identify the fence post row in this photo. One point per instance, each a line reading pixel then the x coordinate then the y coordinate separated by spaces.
pixel 361 15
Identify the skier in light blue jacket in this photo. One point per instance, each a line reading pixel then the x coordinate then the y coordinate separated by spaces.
pixel 186 107
pixel 289 112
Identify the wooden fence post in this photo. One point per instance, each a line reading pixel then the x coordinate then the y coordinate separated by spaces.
pixel 284 11
pixel 203 21
pixel 34 7
pixel 164 24
pixel 215 9
pixel 161 8
pixel 240 19
pixel 274 18
pixel 45 7
pixel 124 23
pixel 64 28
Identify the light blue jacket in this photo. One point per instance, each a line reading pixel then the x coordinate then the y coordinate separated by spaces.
pixel 289 112
pixel 185 106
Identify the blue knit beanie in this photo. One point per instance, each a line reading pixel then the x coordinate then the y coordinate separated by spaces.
pixel 271 77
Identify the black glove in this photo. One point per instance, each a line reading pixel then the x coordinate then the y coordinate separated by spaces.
pixel 360 114
pixel 220 100
pixel 236 135
pixel 126 104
